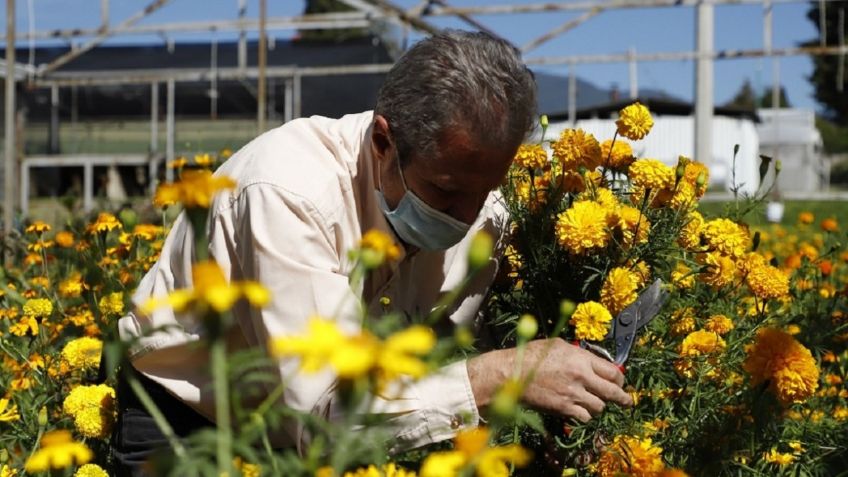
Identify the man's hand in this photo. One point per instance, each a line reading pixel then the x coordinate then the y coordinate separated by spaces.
pixel 563 378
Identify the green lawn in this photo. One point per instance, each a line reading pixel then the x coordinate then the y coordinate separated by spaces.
pixel 821 209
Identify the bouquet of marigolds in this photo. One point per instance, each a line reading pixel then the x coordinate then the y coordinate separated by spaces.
pixel 741 373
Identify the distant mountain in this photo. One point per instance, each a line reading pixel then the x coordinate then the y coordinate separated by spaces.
pixel 553 94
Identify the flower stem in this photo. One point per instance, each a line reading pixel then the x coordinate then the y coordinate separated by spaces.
pixel 218 357
pixel 157 415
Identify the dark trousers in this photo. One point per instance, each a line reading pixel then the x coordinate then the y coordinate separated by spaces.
pixel 136 436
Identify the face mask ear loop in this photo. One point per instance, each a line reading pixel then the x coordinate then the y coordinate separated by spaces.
pixel 400 171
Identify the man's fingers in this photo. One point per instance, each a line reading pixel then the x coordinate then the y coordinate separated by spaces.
pixel 578 413
pixel 593 404
pixel 607 370
pixel 608 391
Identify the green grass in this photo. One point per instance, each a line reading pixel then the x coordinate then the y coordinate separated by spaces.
pixel 821 209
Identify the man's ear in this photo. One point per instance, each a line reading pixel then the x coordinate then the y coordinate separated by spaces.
pixel 381 139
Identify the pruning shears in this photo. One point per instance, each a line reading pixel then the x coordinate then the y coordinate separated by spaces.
pixel 628 322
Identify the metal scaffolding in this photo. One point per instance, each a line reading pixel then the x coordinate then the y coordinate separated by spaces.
pixel 364 14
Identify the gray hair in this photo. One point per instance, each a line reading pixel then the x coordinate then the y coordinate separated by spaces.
pixel 458 79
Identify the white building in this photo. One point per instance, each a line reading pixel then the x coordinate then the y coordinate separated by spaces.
pixel 674 135
pixel 790 136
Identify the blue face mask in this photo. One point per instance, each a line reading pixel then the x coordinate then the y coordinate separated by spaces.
pixel 418 224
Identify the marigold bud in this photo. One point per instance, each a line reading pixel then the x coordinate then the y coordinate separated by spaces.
pixel 566 308
pixel 777 167
pixel 701 180
pixel 544 120
pixel 480 250
pixel 527 327
pixel 464 338
pixel 42 416
pixel 569 472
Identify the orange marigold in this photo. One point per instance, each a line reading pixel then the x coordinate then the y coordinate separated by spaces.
pixel 787 365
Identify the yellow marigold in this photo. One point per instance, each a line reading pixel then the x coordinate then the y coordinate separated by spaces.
pixel 721 270
pixel 583 227
pixel 211 289
pixel 779 458
pixel 57 451
pixel 92 409
pixel 27 324
pixel 246 469
pixel 203 160
pixel 38 308
pixel 672 473
pixel 83 353
pixel 682 277
pixel 690 234
pixel 591 321
pixel 178 163
pixel 632 224
pixel 111 304
pixel 376 247
pixel 616 156
pixel 471 449
pixel 8 413
pixel 91 470
pixel 634 122
pixel 6 471
pixel 147 232
pixel 632 456
pixel 72 286
pixel 64 239
pixel 700 343
pixel 576 148
pixel 195 189
pixel 786 364
pixel 39 245
pixel 387 470
pixel 682 321
pixel 767 282
pixel 719 324
pixel 354 356
pixel 697 175
pixel 42 282
pixel 37 227
pixel 531 194
pixel 726 237
pixel 619 289
pixel 531 156
pixel 651 174
pixel 105 222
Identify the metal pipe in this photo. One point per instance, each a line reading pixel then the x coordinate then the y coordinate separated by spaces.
pixel 213 81
pixel 263 52
pixel 104 15
pixel 242 42
pixel 9 130
pixel 169 132
pixel 547 7
pixel 107 77
pixel 572 95
pixel 304 22
pixel 103 36
pixel 634 74
pixel 704 84
pixel 565 27
pixel 296 94
pixel 154 118
pixel 840 68
pixel 54 120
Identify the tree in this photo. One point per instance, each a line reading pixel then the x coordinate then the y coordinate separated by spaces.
pixel 745 98
pixel 833 97
pixel 331 34
pixel 765 100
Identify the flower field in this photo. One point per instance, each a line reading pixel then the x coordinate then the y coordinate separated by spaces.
pixel 742 371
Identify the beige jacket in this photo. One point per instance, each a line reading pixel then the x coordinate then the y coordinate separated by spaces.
pixel 305 197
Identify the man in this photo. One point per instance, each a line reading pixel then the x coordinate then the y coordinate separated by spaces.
pixel 422 167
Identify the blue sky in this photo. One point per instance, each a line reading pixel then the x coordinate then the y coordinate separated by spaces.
pixel 645 29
